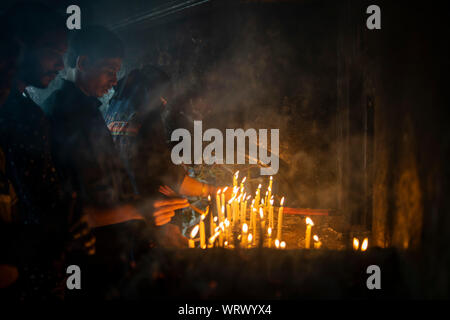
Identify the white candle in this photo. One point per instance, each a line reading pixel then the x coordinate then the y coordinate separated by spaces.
pixel 317 242
pixel 269 236
pixel 309 224
pixel 202 232
pixel 271 213
pixel 280 219
pixel 235 177
pixel 193 234
pixel 218 205
pixel 244 237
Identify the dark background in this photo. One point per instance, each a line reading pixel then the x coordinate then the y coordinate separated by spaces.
pixel 362 113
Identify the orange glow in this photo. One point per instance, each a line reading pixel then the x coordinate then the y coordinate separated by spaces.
pixel 282 202
pixel 309 221
pixel 355 244
pixel 365 244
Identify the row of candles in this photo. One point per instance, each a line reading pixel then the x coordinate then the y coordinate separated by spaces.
pixel 233 227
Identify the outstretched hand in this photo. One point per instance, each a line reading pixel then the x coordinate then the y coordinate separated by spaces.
pixel 164 210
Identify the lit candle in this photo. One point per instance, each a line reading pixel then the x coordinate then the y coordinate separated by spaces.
pixel 235 177
pixel 227 230
pixel 250 240
pixel 222 198
pixel 193 234
pixel 244 237
pixel 355 244
pixel 242 185
pixel 317 242
pixel 277 243
pixel 262 226
pixel 270 187
pixel 271 214
pixel 365 244
pixel 282 245
pixel 280 219
pixel 228 211
pixel 254 220
pixel 202 232
pixel 243 213
pixel 221 234
pixel 218 205
pixel 269 235
pixel 309 224
pixel 258 196
pixel 211 216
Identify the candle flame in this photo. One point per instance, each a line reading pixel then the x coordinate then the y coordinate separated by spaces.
pixel 261 213
pixel 231 200
pixel 271 202
pixel 227 223
pixel 250 237
pixel 269 231
pixel 225 189
pixel 236 174
pixel 270 189
pixel 259 187
pixel 209 197
pixel 243 180
pixel 203 217
pixel 213 238
pixel 194 231
pixel 248 198
pixel 271 178
pixel 283 245
pixel 282 202
pixel 225 243
pixel 315 237
pixel 355 244
pixel 244 228
pixel 309 221
pixel 365 244
pixel 215 219
pixel 277 243
pixel 219 191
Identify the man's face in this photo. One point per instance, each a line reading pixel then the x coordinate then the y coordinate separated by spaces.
pixel 43 61
pixel 100 76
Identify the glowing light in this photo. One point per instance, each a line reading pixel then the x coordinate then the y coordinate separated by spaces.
pixel 277 243
pixel 194 231
pixel 282 202
pixel 283 245
pixel 365 244
pixel 355 244
pixel 309 221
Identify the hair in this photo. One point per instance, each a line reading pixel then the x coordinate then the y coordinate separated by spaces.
pixel 30 22
pixel 95 42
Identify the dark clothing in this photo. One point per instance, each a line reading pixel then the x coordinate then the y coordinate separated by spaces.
pixel 25 141
pixel 136 124
pixel 83 148
pixel 33 239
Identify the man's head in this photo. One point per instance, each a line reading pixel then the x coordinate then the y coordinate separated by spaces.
pixel 96 54
pixel 42 34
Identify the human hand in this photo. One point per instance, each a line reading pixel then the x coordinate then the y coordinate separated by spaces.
pixel 164 210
